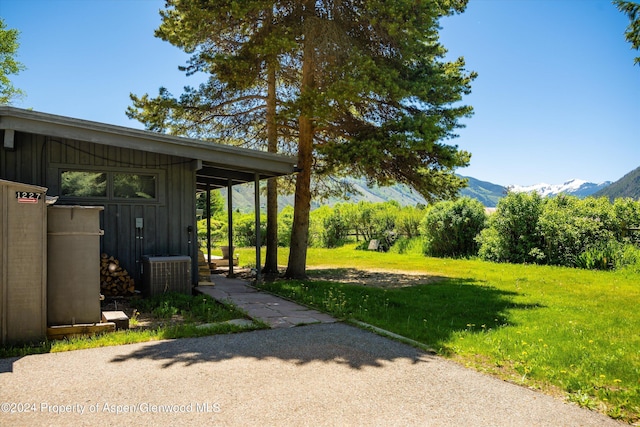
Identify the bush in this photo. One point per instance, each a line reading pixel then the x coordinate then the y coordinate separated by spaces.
pixel 601 257
pixel 512 234
pixel 285 222
pixel 218 232
pixel 627 213
pixel 408 221
pixel 571 227
pixel 316 225
pixel 565 230
pixel 610 255
pixel 629 257
pixel 332 227
pixel 450 228
pixel 376 221
pixel 244 230
pixel 335 230
pixel 405 245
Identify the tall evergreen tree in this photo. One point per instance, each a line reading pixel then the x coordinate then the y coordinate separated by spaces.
pixel 376 100
pixel 238 45
pixel 361 84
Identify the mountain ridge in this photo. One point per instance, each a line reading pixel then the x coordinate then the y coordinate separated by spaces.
pixel 574 187
pixel 486 192
pixel 627 186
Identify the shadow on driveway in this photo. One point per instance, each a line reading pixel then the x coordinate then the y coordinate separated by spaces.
pixel 332 343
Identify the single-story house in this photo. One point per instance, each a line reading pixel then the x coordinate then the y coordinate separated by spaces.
pixel 146 182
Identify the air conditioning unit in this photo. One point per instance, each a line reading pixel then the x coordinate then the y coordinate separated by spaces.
pixel 162 274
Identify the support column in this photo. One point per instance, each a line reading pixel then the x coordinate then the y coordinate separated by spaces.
pixel 258 242
pixel 208 211
pixel 230 225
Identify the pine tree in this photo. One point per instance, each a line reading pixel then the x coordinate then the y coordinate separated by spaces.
pixel 360 84
pixel 376 101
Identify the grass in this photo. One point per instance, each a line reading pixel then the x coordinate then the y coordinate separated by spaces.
pixel 560 330
pixel 193 311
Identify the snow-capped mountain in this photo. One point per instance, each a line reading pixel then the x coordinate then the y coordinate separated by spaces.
pixel 574 187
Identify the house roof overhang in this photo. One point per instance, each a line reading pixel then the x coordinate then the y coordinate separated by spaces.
pixel 217 165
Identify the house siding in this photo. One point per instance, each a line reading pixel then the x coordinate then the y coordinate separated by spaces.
pixel 40 160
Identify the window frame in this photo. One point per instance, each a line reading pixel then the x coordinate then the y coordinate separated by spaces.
pixel 158 174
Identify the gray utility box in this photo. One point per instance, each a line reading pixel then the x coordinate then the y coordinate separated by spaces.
pixel 166 273
pixel 73 289
pixel 23 258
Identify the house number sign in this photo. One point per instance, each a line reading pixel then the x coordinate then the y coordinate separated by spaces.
pixel 28 197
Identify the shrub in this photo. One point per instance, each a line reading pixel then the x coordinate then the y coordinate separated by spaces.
pixel 627 213
pixel 331 227
pixel 244 229
pixel 600 257
pixel 335 230
pixel 610 255
pixel 316 225
pixel 512 234
pixel 285 222
pixel 408 221
pixel 450 228
pixel 375 221
pixel 564 230
pixel 405 245
pixel 629 257
pixel 218 232
pixel 571 227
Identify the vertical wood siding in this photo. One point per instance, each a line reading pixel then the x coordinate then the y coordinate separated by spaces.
pixel 39 160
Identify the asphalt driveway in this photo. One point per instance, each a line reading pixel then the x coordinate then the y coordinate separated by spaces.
pixel 324 374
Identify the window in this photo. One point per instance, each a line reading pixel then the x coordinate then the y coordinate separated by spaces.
pixel 134 186
pixel 110 185
pixel 84 184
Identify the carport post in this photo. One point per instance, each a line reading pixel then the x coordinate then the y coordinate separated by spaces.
pixel 258 242
pixel 230 225
pixel 208 209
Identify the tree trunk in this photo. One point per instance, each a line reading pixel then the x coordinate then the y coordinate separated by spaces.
pixel 271 260
pixel 296 268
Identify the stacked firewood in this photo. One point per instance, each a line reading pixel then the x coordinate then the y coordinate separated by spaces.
pixel 114 280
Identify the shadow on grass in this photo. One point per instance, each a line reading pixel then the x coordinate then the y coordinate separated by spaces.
pixel 428 309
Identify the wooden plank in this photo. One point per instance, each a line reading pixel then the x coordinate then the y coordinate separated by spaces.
pixel 70 331
pixel 9 139
pixel 126 236
pixel 55 151
pixel 85 154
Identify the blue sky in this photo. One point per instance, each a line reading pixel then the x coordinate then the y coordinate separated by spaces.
pixel 557 96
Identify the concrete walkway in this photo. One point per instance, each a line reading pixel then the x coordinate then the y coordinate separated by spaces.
pixel 272 310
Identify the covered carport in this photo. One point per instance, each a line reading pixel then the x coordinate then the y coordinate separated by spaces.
pixel 211 177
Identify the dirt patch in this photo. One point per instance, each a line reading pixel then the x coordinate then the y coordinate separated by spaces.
pixel 388 279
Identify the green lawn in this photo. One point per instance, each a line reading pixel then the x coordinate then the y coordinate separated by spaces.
pixel 194 310
pixel 562 330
